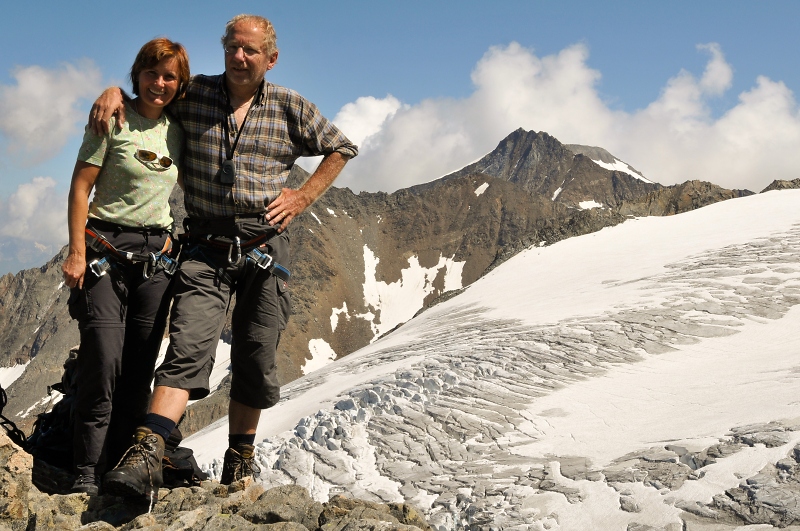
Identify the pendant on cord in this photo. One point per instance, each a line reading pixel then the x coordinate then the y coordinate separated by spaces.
pixel 228 172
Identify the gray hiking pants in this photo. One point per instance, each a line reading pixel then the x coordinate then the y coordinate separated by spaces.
pixel 202 292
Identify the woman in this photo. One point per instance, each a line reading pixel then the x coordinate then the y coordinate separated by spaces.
pixel 118 265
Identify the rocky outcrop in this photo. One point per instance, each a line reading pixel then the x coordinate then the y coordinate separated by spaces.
pixel 32 311
pixel 771 497
pixel 599 154
pixel 244 505
pixel 679 198
pixel 15 483
pixel 782 185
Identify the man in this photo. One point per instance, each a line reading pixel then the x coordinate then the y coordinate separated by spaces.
pixel 242 137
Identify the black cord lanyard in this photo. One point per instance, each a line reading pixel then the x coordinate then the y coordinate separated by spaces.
pixel 228 172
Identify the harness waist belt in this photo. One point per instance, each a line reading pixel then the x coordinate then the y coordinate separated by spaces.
pixel 248 249
pixel 99 243
pixel 223 243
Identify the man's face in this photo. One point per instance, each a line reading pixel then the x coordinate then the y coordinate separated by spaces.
pixel 245 60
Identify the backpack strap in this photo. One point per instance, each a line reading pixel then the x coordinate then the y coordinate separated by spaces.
pixel 14 433
pixel 180 468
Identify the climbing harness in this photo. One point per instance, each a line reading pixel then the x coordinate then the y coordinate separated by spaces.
pixel 252 249
pixel 153 262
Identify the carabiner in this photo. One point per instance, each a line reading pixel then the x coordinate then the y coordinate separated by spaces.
pixel 149 268
pixel 238 244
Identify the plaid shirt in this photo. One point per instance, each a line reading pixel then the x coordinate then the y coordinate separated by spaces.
pixel 281 126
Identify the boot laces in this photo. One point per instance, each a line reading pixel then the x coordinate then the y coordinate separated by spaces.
pixel 86 479
pixel 136 455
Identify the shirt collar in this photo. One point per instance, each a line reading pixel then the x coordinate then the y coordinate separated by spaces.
pixel 222 87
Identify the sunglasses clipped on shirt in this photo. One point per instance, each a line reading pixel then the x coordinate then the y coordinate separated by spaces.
pixel 147 156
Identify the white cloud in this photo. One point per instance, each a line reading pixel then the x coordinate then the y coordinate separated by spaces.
pixel 360 121
pixel 365 117
pixel 33 225
pixel 718 75
pixel 36 212
pixel 674 139
pixel 40 112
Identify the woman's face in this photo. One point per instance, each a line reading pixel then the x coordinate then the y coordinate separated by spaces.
pixel 159 84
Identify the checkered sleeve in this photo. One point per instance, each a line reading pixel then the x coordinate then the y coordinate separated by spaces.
pixel 321 136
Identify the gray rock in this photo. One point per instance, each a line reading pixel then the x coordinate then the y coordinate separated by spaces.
pixel 288 503
pixel 231 522
pixel 780 184
pixel 243 505
pixel 578 468
pixel 97 526
pixel 342 513
pixel 628 504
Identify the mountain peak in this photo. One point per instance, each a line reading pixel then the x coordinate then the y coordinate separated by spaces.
pixel 576 176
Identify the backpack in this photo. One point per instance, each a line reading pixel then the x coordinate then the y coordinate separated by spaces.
pixel 179 467
pixel 51 439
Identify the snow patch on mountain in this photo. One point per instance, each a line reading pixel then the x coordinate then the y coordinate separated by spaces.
pixel 321 355
pixel 335 313
pixel 590 204
pixel 388 304
pixel 45 404
pixel 618 165
pixel 9 374
pixel 391 304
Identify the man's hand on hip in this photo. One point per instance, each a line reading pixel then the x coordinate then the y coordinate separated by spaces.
pixel 292 203
pixel 289 204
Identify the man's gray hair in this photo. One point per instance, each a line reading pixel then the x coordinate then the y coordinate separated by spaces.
pixel 270 44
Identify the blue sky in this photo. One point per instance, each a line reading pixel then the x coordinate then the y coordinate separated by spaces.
pixel 680 90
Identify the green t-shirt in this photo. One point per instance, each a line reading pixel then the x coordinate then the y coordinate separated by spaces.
pixel 127 191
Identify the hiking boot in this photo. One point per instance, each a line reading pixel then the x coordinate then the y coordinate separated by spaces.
pixel 139 471
pixel 239 463
pixel 86 484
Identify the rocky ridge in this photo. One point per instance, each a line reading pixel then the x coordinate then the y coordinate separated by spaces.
pixel 679 198
pixel 540 164
pixel 782 185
